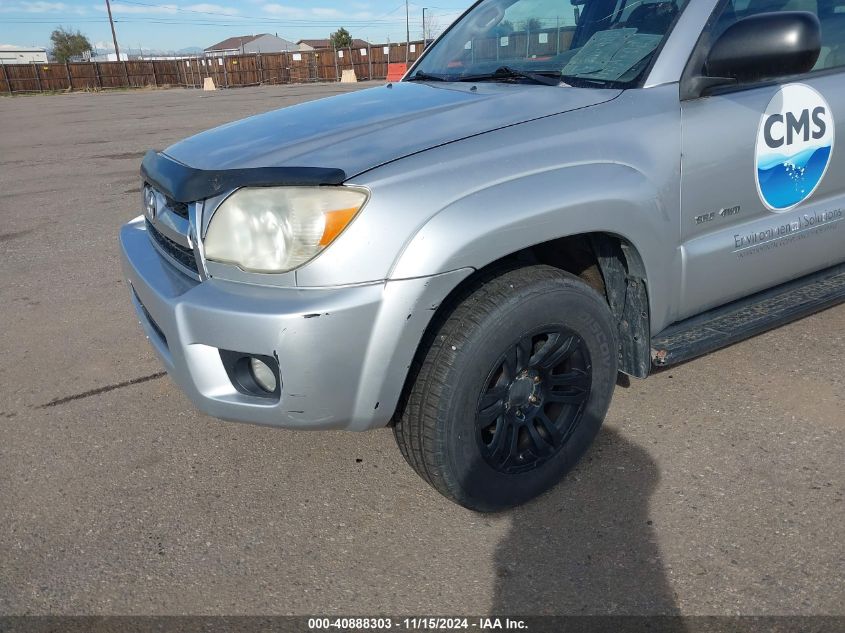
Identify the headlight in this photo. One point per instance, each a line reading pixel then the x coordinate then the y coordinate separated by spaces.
pixel 276 229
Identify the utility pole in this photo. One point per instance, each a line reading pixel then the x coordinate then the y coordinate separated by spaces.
pixel 113 35
pixel 424 37
pixel 407 33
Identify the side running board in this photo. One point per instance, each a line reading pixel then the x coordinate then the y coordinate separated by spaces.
pixel 748 317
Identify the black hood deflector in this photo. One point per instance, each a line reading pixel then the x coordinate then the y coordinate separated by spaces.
pixel 188 184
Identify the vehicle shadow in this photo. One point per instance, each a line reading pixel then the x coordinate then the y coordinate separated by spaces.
pixel 588 546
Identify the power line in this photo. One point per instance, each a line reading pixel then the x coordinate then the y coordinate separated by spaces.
pixel 178 16
pixel 174 9
pixel 360 22
pixel 133 20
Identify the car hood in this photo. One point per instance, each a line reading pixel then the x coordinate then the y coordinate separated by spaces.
pixel 360 130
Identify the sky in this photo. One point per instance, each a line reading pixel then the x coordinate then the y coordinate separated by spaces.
pixel 177 24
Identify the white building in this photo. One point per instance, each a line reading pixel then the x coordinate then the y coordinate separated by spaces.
pixel 22 55
pixel 110 57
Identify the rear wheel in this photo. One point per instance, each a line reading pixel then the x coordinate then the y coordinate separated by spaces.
pixel 511 388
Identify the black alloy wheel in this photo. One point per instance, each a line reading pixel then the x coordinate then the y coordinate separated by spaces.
pixel 533 400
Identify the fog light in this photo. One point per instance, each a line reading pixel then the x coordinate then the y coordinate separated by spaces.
pixel 263 374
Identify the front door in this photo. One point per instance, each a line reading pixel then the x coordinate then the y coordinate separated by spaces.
pixel 763 177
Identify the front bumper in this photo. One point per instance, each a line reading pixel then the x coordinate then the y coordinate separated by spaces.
pixel 343 352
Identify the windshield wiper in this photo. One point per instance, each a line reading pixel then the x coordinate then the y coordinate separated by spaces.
pixel 548 77
pixel 421 76
pixel 580 81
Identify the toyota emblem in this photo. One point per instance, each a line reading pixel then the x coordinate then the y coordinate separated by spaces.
pixel 150 205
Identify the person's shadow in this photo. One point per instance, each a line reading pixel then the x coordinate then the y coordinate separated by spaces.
pixel 588 546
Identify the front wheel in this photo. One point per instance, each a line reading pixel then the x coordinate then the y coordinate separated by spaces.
pixel 511 388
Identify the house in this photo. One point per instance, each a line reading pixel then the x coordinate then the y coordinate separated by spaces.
pixel 245 44
pixel 22 55
pixel 310 45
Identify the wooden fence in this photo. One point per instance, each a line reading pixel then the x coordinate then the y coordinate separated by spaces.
pixel 228 72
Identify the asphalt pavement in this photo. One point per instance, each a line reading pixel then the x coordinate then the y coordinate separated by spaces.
pixel 715 487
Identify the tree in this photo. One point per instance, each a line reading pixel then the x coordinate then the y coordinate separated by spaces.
pixel 66 43
pixel 341 39
pixel 533 24
pixel 505 27
pixel 431 27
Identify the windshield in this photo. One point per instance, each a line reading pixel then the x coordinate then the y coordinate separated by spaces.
pixel 597 43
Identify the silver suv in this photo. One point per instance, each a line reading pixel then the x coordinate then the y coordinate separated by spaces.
pixel 557 191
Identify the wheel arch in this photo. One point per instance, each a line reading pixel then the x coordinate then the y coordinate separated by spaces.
pixel 608 262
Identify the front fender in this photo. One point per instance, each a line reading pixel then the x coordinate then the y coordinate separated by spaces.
pixel 485 225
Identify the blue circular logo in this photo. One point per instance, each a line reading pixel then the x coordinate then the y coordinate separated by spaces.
pixel 794 143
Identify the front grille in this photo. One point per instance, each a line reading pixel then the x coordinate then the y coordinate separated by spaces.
pixel 179 208
pixel 182 254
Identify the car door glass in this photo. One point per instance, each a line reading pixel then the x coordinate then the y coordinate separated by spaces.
pixel 832 17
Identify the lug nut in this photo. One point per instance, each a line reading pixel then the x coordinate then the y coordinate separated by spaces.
pixel 536 379
pixel 532 399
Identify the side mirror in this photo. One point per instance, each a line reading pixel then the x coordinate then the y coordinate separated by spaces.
pixel 766 46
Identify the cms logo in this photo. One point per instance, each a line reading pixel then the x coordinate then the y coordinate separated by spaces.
pixel 794 144
pixel 780 130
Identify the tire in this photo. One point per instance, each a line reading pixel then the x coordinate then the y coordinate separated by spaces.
pixel 509 388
